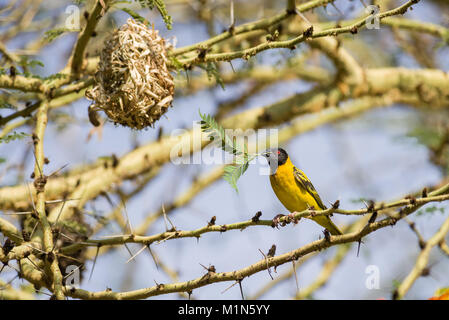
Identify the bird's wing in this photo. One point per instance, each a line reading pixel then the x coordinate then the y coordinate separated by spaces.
pixel 303 182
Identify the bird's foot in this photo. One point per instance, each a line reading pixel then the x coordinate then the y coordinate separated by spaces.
pixel 277 220
pixel 312 211
pixel 292 217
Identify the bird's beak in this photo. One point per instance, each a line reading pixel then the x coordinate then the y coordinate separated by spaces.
pixel 266 154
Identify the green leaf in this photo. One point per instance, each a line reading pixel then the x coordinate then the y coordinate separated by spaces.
pixel 26 62
pixel 160 6
pixel 359 200
pixel 430 210
pixel 136 16
pixel 52 34
pixel 14 136
pixel 55 76
pixel 217 133
pixel 396 283
pixel 176 63
pixel 428 136
pixel 212 71
pixel 74 226
pixel 6 105
pixel 242 158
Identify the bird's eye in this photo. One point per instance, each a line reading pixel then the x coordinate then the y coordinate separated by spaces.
pixel 279 152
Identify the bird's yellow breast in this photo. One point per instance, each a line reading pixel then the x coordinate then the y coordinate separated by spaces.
pixel 287 190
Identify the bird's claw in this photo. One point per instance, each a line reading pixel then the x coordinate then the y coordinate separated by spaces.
pixel 292 217
pixel 276 220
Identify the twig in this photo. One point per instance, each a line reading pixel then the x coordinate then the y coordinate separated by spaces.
pixel 39 184
pixel 421 261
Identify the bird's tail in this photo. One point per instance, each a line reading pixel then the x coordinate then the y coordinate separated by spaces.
pixel 327 223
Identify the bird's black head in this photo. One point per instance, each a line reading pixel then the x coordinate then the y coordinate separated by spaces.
pixel 276 157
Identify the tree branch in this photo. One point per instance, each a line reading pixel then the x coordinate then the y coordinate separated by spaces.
pixel 421 261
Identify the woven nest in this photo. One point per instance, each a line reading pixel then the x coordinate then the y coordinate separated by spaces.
pixel 133 85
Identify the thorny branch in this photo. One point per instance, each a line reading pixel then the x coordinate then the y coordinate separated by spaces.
pixel 355 87
pixel 238 275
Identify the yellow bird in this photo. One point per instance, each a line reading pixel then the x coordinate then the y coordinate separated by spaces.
pixel 294 189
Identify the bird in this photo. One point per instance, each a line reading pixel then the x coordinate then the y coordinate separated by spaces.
pixel 293 189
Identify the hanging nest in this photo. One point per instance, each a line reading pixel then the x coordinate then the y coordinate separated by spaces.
pixel 133 85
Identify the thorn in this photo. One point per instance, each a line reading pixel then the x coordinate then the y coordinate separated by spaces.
pixel 34 154
pixel 136 254
pixel 60 211
pixel 232 18
pixel 229 287
pixel 128 249
pixel 299 13
pixel 369 206
pixel 71 272
pixel 18 213
pixel 296 276
pixel 153 256
pixel 187 76
pixel 327 235
pixel 270 254
pixel 95 261
pixel 210 270
pixel 54 173
pixel 358 247
pixel 159 285
pixel 338 10
pixel 128 221
pixel 159 133
pixel 167 219
pixel 241 289
pixel 4 265
pixel 373 217
pixel 31 197
pixel 36 266
pixel 232 67
pixel 60 200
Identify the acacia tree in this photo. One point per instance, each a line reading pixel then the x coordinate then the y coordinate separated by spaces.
pixel 46 225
